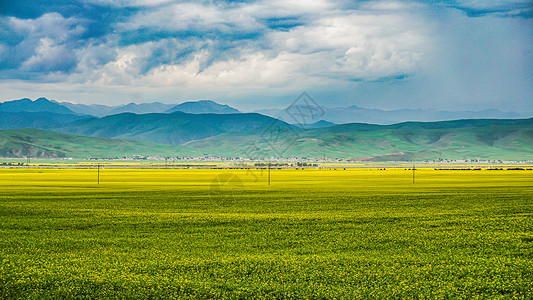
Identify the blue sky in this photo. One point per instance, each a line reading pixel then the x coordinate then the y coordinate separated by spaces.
pixel 463 54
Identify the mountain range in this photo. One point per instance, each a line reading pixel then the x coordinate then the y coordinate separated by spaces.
pixel 351 114
pixel 193 107
pixel 328 116
pixel 174 128
pixel 72 134
pixel 39 105
pixel 29 142
pixel 483 139
pixel 413 141
pixel 40 120
pixel 203 107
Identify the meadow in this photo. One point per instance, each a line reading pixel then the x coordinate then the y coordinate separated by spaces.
pixel 227 234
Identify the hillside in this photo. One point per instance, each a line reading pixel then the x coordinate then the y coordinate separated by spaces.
pixel 174 129
pixel 351 114
pixel 507 139
pixel 47 144
pixel 256 136
pixel 319 124
pixel 203 107
pixel 143 108
pixel 194 107
pixel 95 110
pixel 39 120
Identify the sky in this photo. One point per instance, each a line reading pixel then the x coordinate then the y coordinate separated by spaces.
pixel 448 54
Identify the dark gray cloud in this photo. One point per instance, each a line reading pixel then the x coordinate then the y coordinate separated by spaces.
pixel 519 8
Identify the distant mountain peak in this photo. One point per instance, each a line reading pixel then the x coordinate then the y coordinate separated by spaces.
pixel 194 107
pixel 141 108
pixel 357 114
pixel 319 124
pixel 39 105
pixel 353 107
pixel 203 107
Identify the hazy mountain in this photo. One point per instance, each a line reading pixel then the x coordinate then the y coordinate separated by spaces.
pixel 351 114
pixel 46 144
pixel 175 128
pixel 143 108
pixel 41 120
pixel 319 124
pixel 483 139
pixel 39 105
pixel 104 110
pixel 194 107
pixel 203 107
pixel 95 110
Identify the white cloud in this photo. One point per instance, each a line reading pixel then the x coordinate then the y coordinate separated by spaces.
pixel 357 45
pixel 131 3
pixel 48 56
pixel 334 47
pixel 194 17
pixel 46 44
pixel 299 6
pixel 50 25
pixel 276 47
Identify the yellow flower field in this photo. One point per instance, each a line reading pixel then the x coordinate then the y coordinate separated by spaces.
pixel 226 233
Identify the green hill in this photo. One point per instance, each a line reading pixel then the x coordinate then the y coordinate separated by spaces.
pixel 203 107
pixel 174 129
pixel 39 120
pixel 508 139
pixel 482 139
pixel 46 144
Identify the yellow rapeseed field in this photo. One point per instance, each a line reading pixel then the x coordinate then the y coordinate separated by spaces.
pixel 226 233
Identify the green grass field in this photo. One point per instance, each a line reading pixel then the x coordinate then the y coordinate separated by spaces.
pixel 311 234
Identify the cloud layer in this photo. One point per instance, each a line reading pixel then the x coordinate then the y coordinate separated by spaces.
pixel 247 51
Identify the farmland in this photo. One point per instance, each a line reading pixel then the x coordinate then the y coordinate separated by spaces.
pixel 335 233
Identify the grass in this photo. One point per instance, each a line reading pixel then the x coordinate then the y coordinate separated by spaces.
pixel 382 143
pixel 312 234
pixel 49 144
pixel 414 141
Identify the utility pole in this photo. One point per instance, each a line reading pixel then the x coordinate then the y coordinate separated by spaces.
pixel 268 173
pixel 413 173
pixel 28 159
pixel 98 167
